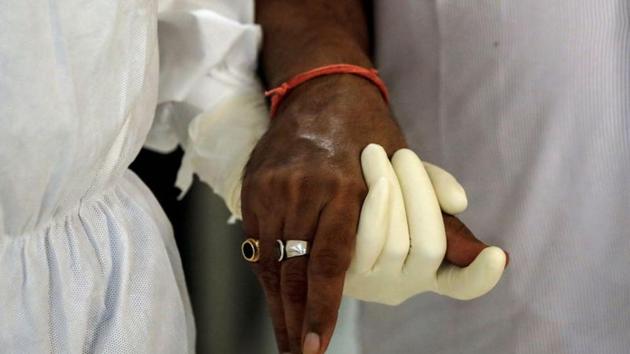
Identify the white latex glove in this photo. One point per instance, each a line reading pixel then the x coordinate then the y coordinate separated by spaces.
pixel 219 144
pixel 401 242
pixel 210 100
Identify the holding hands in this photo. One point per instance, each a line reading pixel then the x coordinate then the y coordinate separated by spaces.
pixel 305 183
pixel 374 229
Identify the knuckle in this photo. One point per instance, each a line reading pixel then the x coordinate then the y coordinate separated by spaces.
pixel 255 186
pixel 354 187
pixel 263 178
pixel 432 254
pixel 295 184
pixel 294 177
pixel 288 179
pixel 397 252
pixel 355 184
pixel 321 180
pixel 328 182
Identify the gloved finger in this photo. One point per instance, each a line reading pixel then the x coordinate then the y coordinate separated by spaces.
pixel 376 165
pixel 328 262
pixel 462 246
pixel 373 226
pixel 238 121
pixel 450 194
pixel 300 224
pixel 428 241
pixel 476 279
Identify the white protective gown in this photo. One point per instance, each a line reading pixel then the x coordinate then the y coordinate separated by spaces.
pixel 527 103
pixel 87 257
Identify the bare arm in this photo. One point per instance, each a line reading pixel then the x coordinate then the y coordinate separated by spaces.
pixel 301 35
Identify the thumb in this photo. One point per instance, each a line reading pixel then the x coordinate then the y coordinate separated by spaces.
pixel 471 268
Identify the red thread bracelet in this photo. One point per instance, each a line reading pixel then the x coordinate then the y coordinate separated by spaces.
pixel 277 94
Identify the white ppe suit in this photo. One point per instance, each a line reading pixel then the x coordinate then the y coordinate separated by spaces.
pixel 87 257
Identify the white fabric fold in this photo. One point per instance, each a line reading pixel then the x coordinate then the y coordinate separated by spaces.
pixel 209 96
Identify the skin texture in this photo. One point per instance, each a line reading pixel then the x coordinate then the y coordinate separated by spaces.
pixel 304 179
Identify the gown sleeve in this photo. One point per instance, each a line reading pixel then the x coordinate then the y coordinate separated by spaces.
pixel 210 100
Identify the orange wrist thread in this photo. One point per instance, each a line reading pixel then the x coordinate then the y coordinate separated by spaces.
pixel 277 94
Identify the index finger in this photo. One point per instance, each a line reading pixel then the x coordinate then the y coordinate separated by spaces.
pixel 426 229
pixel 329 259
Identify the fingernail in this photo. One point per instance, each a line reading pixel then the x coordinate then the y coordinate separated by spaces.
pixel 311 343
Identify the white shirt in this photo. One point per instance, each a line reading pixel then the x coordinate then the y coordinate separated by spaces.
pixel 87 258
pixel 528 104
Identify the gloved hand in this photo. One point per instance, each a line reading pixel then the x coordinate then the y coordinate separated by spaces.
pixel 401 241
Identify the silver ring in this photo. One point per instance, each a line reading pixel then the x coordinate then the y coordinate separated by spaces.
pixel 296 248
pixel 281 246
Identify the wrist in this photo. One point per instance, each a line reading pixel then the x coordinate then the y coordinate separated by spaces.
pixel 339 92
pixel 277 94
pixel 315 53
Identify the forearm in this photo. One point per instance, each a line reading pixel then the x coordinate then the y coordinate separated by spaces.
pixel 301 35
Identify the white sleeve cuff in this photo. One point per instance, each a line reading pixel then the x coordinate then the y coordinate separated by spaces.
pixel 210 100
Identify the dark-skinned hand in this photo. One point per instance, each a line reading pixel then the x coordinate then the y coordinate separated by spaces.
pixel 304 182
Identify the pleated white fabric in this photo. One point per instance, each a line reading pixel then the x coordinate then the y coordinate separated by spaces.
pixel 87 257
pixel 528 104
